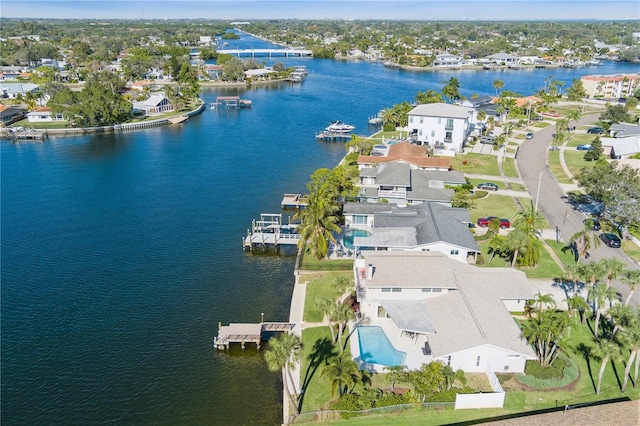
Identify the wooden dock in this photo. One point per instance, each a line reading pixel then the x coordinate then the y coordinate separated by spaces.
pixel 230 102
pixel 294 201
pixel 270 230
pixel 27 134
pixel 244 333
pixel 326 135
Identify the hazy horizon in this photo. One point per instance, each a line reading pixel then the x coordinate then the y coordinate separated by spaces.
pixel 247 10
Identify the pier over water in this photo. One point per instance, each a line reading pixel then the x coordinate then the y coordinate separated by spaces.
pixel 269 53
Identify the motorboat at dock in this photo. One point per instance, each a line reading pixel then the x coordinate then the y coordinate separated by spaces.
pixel 339 127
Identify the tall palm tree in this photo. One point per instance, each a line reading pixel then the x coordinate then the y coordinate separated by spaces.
pixel 605 350
pixel 621 316
pixel 529 220
pixel 544 301
pixel 632 279
pixel 482 115
pixel 395 374
pixel 328 308
pixel 283 353
pixel 599 294
pixel 593 272
pixel 614 268
pixel 630 336
pixel 342 371
pixel 498 84
pixel 517 241
pixel 318 223
pixel 584 240
pixel 574 115
pixel 342 315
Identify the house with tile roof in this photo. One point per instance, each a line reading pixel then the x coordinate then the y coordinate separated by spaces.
pixel 424 227
pixel 432 308
pixel 414 155
pixel 610 86
pixel 397 182
pixel 440 126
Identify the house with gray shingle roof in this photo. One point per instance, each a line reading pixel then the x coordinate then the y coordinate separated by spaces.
pixel 399 183
pixel 424 227
pixel 432 308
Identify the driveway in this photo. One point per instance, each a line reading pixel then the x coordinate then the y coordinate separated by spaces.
pixel 538 179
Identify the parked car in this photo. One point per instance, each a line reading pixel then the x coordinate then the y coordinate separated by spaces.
pixel 595 130
pixel 529 135
pixel 488 186
pixel 611 240
pixel 595 223
pixel 585 147
pixel 537 118
pixel 483 222
pixel 490 140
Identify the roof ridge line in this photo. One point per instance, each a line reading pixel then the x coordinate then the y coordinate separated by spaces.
pixel 466 302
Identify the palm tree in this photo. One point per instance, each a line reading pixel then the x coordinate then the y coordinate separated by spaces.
pixel 450 90
pixel 584 240
pixel 496 244
pixel 614 269
pixel 481 116
pixel 574 115
pixel 630 336
pixel 578 303
pixel 517 241
pixel 544 301
pixel 328 308
pixel 282 354
pixel 342 314
pixel 545 334
pixel 529 220
pixel 599 294
pixel 605 350
pixel 632 279
pixel 342 371
pixel 498 84
pixel 593 272
pixel 318 223
pixel 621 316
pixel 396 373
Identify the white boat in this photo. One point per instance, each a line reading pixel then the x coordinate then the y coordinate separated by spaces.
pixel 339 127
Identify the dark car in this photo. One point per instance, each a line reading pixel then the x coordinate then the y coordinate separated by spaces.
pixel 595 130
pixel 488 186
pixel 593 222
pixel 611 240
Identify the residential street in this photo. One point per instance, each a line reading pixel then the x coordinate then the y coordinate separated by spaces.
pixel 535 173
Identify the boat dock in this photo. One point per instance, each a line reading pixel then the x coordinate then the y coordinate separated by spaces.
pixel 270 230
pixel 327 135
pixel 294 201
pixel 178 119
pixel 27 134
pixel 230 102
pixel 244 333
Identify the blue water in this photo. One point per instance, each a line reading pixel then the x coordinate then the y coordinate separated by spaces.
pixel 120 253
pixel 347 240
pixel 375 347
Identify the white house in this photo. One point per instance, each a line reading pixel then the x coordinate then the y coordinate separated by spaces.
pixel 622 148
pixel 14 90
pixel 43 114
pixel 156 103
pixel 424 227
pixel 432 308
pixel 448 60
pixel 441 126
pixel 503 58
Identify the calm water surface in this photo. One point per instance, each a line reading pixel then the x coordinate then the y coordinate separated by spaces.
pixel 120 253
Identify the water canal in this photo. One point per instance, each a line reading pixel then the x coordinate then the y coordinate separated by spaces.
pixel 121 252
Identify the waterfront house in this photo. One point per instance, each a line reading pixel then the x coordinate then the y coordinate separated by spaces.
pixel 43 114
pixel 428 226
pixel 432 308
pixel 478 102
pixel 142 85
pixel 260 73
pixel 9 75
pixel 416 156
pixel 503 59
pixel 448 60
pixel 397 182
pixel 10 114
pixel 157 103
pixel 443 127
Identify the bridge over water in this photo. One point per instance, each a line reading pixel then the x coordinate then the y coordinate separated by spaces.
pixel 252 53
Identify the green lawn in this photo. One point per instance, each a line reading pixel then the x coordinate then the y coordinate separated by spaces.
pixel 41 126
pixel 556 168
pixel 317 348
pixel 494 205
pixel 567 257
pixel 632 250
pixel 320 285
pixel 509 167
pixel 546 268
pixel 575 161
pixel 476 163
pixel 580 139
pixel 517 187
pixel 542 124
pixel 310 263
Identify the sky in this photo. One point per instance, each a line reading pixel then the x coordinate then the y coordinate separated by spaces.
pixel 324 9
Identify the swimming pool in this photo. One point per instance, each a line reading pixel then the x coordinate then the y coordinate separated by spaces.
pixel 376 348
pixel 347 240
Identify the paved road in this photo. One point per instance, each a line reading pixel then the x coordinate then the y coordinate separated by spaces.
pixel 537 177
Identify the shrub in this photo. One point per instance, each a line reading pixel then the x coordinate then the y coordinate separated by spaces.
pixel 554 371
pixel 570 375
